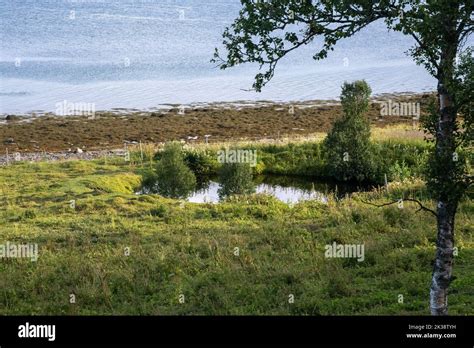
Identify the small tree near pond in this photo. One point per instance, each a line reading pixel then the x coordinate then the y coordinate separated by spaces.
pixel 348 154
pixel 172 177
pixel 235 178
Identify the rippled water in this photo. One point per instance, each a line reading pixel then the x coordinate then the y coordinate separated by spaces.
pixel 144 53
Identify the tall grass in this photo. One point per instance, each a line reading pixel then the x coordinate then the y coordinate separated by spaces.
pixel 179 248
pixel 399 160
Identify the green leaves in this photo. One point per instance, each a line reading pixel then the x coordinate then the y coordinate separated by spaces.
pixel 172 177
pixel 266 31
pixel 348 152
pixel 236 178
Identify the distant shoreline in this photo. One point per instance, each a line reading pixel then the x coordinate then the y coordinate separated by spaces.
pixel 236 104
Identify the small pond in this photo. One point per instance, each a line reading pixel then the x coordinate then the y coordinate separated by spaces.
pixel 287 189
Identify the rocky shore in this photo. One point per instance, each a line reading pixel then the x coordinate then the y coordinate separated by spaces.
pixel 12 158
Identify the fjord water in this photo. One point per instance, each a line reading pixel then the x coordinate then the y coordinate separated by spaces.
pixel 146 53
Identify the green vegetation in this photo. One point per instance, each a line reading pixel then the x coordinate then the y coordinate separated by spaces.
pixel 347 147
pixel 255 36
pixel 400 159
pixel 236 178
pixel 172 177
pixel 184 248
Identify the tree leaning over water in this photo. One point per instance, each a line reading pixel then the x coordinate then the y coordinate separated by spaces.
pixel 265 31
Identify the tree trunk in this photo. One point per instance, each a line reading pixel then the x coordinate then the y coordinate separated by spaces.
pixel 447 204
pixel 443 266
pixel 447 193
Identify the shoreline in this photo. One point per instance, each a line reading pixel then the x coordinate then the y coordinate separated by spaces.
pixel 235 104
pixel 392 132
pixel 34 157
pixel 213 123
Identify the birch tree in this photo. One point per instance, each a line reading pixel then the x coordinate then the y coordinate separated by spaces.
pixel 266 31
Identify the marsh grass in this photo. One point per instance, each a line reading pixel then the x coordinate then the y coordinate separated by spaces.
pixel 398 159
pixel 178 247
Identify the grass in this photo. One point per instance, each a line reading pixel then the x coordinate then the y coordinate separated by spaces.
pixel 399 160
pixel 178 248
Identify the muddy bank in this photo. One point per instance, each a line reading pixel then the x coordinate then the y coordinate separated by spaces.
pixel 111 130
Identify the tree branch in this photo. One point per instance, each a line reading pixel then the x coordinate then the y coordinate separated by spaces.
pixel 422 207
pixel 427 50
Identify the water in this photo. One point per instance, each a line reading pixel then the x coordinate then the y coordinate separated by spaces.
pixel 287 189
pixel 146 53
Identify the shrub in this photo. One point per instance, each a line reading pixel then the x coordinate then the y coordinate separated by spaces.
pixel 399 171
pixel 349 155
pixel 202 163
pixel 149 180
pixel 172 178
pixel 235 178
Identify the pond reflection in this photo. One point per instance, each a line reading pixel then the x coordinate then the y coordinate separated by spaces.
pixel 286 189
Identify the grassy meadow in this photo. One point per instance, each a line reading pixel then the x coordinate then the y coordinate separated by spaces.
pixel 122 253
